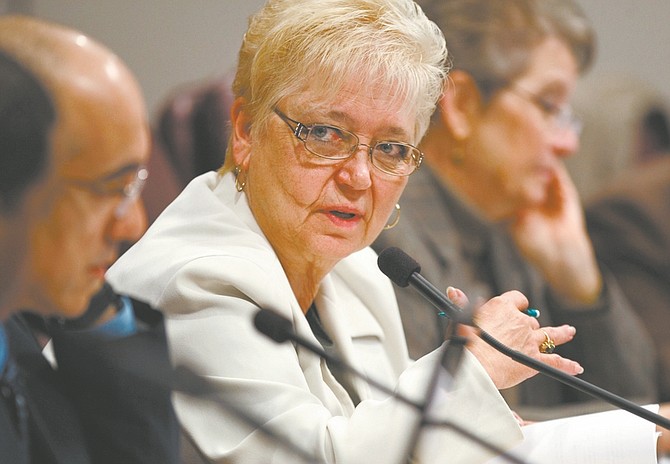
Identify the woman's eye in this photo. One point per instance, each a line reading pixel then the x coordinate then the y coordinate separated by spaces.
pixel 326 134
pixel 395 150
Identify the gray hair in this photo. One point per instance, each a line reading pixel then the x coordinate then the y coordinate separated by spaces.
pixel 293 45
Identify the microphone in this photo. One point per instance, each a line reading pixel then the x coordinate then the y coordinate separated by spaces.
pixel 404 270
pixel 280 329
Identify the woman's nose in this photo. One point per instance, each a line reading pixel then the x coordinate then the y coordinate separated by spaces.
pixel 355 170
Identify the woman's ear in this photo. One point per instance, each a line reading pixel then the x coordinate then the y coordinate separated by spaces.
pixel 460 104
pixel 241 132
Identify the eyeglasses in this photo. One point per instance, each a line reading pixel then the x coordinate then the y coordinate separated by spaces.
pixel 335 143
pixel 119 183
pixel 562 116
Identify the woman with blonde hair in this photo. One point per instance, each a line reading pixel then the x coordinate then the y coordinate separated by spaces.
pixel 332 99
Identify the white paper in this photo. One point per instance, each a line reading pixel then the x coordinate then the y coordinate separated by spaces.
pixel 612 437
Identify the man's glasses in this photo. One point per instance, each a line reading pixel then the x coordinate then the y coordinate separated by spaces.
pixel 334 143
pixel 126 183
pixel 562 116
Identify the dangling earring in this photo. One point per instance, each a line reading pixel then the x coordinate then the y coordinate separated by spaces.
pixel 239 183
pixel 396 220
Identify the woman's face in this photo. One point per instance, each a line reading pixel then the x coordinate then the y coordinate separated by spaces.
pixel 320 211
pixel 519 138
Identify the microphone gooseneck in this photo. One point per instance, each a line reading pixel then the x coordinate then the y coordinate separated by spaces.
pixel 403 271
pixel 280 329
pixel 396 265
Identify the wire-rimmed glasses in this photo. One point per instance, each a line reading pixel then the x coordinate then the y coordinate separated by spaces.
pixel 334 143
pixel 563 116
pixel 119 183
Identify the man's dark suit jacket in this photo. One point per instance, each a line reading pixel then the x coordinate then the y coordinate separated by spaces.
pixel 109 401
pixel 629 223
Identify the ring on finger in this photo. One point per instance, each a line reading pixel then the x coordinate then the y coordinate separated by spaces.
pixel 548 345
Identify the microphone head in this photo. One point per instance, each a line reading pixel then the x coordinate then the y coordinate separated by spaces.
pixel 397 265
pixel 273 325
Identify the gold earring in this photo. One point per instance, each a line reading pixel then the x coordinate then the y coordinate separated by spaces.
pixel 239 184
pixel 396 220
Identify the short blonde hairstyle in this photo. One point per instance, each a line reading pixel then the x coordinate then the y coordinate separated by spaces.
pixel 294 45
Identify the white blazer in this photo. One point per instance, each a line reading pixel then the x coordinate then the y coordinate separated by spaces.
pixel 208 266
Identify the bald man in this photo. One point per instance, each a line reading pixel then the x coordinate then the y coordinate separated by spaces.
pixel 108 399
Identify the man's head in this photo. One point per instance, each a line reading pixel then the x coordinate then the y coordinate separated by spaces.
pixel 26 118
pixel 99 145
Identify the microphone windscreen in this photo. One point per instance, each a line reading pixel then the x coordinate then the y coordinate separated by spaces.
pixel 273 325
pixel 397 265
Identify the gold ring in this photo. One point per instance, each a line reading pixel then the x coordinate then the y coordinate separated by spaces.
pixel 548 345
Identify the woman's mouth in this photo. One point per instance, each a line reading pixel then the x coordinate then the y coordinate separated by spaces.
pixel 342 214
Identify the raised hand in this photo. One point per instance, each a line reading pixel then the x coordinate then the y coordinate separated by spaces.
pixel 502 317
pixel 553 237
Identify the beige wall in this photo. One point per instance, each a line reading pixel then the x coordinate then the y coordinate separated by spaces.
pixel 634 39
pixel 168 42
pixel 165 42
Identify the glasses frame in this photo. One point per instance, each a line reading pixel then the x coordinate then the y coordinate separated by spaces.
pixel 129 192
pixel 563 116
pixel 302 131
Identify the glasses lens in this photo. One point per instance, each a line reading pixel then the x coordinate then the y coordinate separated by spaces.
pixel 567 120
pixel 132 191
pixel 398 159
pixel 330 142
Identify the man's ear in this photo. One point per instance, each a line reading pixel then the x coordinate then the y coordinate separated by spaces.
pixel 241 132
pixel 460 104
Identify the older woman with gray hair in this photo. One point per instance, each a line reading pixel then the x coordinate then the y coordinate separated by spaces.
pixel 332 98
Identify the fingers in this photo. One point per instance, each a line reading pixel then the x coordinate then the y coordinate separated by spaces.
pixel 505 313
pixel 559 336
pixel 503 317
pixel 563 364
pixel 457 296
pixel 514 297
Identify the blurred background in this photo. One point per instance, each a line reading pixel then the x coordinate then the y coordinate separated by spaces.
pixel 174 46
pixel 169 42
